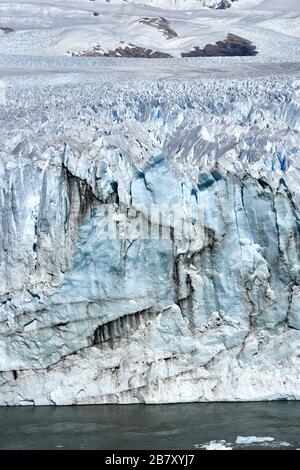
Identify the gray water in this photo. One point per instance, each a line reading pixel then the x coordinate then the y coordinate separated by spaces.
pixel 151 427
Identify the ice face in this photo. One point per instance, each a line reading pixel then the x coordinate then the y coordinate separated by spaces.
pixel 209 315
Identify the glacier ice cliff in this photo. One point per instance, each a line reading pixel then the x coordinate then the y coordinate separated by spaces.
pixel 85 319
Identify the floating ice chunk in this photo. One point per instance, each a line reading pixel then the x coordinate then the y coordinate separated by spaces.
pixel 284 444
pixel 215 445
pixel 253 439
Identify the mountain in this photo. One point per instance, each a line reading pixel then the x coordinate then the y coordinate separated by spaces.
pixel 152 29
pixel 181 4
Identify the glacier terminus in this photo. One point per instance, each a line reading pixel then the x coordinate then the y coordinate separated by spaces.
pixel 91 144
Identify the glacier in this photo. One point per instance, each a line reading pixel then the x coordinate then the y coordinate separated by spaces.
pixel 212 315
pixel 149 210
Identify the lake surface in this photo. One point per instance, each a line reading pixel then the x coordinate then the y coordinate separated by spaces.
pixel 152 427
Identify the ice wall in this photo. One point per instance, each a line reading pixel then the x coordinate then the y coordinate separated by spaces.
pixel 209 315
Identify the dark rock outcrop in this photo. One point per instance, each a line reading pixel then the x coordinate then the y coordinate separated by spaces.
pixel 224 4
pixel 7 30
pixel 231 46
pixel 161 24
pixel 130 51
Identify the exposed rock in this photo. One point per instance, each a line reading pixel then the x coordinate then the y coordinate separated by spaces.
pixel 223 4
pixel 7 30
pixel 231 46
pixel 130 51
pixel 161 24
pixel 137 52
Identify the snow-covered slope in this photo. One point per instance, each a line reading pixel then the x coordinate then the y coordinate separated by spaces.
pixel 80 26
